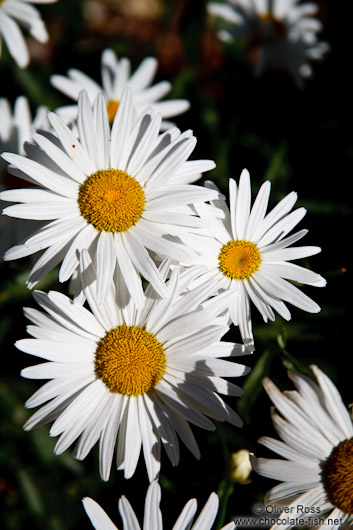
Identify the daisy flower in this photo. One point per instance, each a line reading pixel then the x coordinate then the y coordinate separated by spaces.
pixel 282 34
pixel 248 253
pixel 316 471
pixel 139 375
pixel 116 76
pixel 117 192
pixel 13 12
pixel 16 127
pixel 153 516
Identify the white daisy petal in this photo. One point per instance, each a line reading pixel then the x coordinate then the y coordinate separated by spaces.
pixel 120 138
pixel 187 515
pixel 128 516
pixel 152 515
pixel 97 515
pixel 208 513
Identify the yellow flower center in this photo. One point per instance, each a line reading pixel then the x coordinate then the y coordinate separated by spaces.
pixel 338 476
pixel 239 259
pixel 111 200
pixel 129 360
pixel 112 109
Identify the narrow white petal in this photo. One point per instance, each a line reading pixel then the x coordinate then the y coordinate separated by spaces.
pixel 128 516
pixel 133 438
pixel 120 134
pixel 150 442
pixel 143 263
pixel 129 273
pixel 208 514
pixel 72 146
pixel 109 435
pixel 153 515
pixel 187 515
pixel 242 210
pixel 106 261
pixel 97 515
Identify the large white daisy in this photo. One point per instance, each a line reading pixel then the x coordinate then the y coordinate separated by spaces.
pixel 16 127
pixel 153 517
pixel 14 12
pixel 137 374
pixel 248 253
pixel 117 192
pixel 316 471
pixel 282 34
pixel 116 76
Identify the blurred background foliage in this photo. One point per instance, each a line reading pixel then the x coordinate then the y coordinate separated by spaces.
pixel 299 139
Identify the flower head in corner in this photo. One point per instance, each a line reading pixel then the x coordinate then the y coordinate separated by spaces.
pixel 249 252
pixel 119 192
pixel 116 76
pixel 316 446
pixel 153 515
pixel 13 12
pixel 16 127
pixel 281 34
pixel 139 375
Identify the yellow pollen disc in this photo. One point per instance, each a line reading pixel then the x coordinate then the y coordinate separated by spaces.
pixel 112 109
pixel 129 360
pixel 111 200
pixel 337 476
pixel 239 259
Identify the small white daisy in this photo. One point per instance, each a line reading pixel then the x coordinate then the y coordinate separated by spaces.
pixel 282 34
pixel 117 192
pixel 16 127
pixel 14 12
pixel 249 253
pixel 139 375
pixel 317 445
pixel 153 517
pixel 116 76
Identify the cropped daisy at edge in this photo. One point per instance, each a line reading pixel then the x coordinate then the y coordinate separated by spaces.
pixel 116 76
pixel 119 193
pixel 280 34
pixel 248 252
pixel 16 127
pixel 136 375
pixel 316 446
pixel 13 13
pixel 153 515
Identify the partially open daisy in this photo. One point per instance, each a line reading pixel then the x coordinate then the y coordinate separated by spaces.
pixel 248 252
pixel 13 12
pixel 139 375
pixel 116 76
pixel 153 516
pixel 281 34
pixel 317 445
pixel 117 192
pixel 16 127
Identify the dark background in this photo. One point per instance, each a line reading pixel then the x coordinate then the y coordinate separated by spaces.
pixel 299 139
